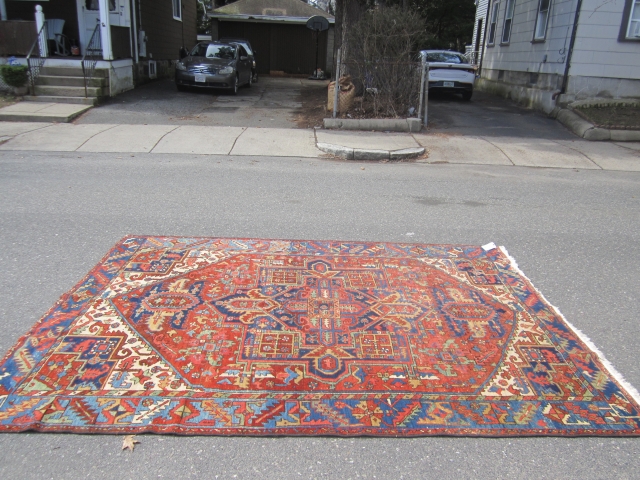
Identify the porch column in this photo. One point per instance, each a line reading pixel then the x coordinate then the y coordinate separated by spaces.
pixel 3 11
pixel 105 30
pixel 42 41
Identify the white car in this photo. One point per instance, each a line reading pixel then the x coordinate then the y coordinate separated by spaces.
pixel 450 72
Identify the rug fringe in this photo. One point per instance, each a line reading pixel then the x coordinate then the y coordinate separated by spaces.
pixel 630 389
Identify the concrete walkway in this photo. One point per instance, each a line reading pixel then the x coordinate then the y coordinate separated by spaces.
pixel 41 112
pixel 284 142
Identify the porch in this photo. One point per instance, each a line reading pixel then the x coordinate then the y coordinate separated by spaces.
pixel 75 49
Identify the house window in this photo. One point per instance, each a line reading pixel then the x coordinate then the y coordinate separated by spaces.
pixel 177 9
pixel 633 29
pixel 542 19
pixel 95 5
pixel 508 21
pixel 493 24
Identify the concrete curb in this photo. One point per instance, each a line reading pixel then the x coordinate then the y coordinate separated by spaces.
pixel 362 154
pixel 589 131
pixel 412 125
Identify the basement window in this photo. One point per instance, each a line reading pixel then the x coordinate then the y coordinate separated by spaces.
pixel 540 31
pixel 493 24
pixel 177 10
pixel 508 21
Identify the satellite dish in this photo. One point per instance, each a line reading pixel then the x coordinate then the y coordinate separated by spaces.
pixel 318 23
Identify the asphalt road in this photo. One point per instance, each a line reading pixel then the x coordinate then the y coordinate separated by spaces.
pixel 574 233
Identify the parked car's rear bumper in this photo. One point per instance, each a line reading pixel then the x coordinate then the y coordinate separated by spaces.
pixel 187 79
pixel 458 87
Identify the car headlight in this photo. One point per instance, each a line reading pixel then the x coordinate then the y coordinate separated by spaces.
pixel 180 66
pixel 226 70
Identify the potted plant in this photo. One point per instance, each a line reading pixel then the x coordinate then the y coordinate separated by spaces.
pixel 15 76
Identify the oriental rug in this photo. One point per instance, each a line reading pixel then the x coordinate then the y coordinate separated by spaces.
pixel 278 337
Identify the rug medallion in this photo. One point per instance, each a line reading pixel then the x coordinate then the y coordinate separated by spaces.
pixel 279 337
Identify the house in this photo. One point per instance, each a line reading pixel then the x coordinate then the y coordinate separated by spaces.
pixel 545 53
pixel 474 51
pixel 133 40
pixel 277 31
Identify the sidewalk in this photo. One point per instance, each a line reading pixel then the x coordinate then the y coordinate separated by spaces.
pixel 280 142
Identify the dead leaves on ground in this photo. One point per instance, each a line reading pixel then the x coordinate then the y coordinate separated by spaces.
pixel 129 442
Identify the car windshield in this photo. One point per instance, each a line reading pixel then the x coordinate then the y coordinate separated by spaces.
pixel 246 46
pixel 445 57
pixel 213 50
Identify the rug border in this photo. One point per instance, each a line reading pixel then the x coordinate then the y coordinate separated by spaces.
pixel 608 366
pixel 616 376
pixel 64 296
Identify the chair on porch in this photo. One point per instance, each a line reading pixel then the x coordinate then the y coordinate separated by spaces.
pixel 55 36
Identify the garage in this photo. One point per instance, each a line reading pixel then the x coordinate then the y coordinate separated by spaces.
pixel 277 31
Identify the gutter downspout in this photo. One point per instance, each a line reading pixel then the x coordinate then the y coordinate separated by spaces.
pixel 565 78
pixel 134 21
pixel 484 37
pixel 3 11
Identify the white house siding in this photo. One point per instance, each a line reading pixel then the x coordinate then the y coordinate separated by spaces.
pixel 481 14
pixel 601 65
pixel 527 71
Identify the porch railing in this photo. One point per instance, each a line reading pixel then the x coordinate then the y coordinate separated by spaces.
pixel 92 54
pixel 36 56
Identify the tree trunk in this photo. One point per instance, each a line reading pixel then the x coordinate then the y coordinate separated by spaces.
pixel 347 13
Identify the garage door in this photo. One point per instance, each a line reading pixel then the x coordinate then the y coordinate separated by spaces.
pixel 287 48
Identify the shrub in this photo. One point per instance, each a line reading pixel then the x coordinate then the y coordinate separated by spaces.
pixel 381 58
pixel 14 75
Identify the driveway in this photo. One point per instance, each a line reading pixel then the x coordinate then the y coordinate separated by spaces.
pixel 273 102
pixel 488 115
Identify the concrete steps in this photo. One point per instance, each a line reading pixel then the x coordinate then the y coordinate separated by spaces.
pixel 64 91
pixel 66 85
pixel 58 99
pixel 71 72
pixel 70 81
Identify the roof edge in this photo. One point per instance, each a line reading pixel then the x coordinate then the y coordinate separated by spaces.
pixel 263 18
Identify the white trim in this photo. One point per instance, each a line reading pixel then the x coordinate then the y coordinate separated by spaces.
pixel 3 11
pixel 543 37
pixel 174 4
pixel 509 19
pixel 495 9
pixel 626 386
pixel 635 4
pixel 105 29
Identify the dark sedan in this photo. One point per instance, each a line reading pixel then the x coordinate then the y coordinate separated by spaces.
pixel 215 65
pixel 247 46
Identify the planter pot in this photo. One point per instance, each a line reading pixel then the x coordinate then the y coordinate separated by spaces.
pixel 21 91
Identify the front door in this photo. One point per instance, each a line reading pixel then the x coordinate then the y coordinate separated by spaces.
pixel 89 17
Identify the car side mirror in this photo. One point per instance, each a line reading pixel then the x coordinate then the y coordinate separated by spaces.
pixel 243 58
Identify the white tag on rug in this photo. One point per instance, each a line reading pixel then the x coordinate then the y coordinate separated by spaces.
pixel 488 246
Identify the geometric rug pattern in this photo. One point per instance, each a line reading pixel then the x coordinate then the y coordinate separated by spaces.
pixel 282 337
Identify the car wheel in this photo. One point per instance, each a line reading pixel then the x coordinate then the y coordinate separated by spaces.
pixel 234 91
pixel 466 96
pixel 255 77
pixel 250 82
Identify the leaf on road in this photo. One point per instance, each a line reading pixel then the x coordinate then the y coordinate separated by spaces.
pixel 129 442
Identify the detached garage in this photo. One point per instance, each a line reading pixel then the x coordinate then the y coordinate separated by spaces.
pixel 277 31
